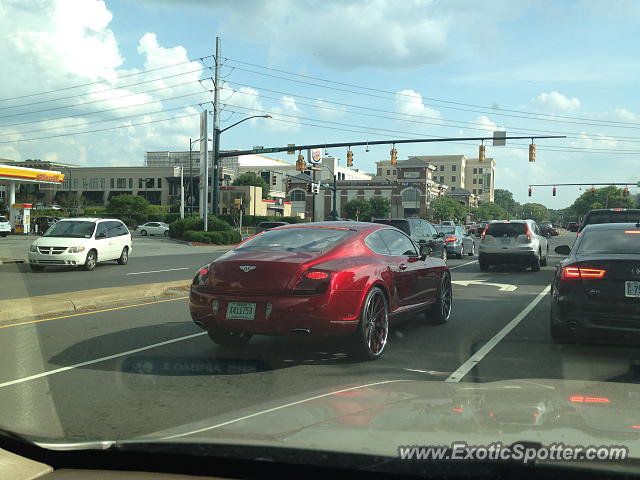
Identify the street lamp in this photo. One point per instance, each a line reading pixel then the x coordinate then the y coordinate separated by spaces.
pixel 216 153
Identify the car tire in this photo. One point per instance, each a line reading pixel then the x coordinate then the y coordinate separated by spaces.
pixel 143 233
pixel 535 265
pixel 3 235
pixel 461 254
pixel 36 268
pixel 124 256
pixel 374 321
pixel 543 261
pixel 229 338
pixel 91 260
pixel 166 233
pixel 473 249
pixel 484 266
pixel 444 254
pixel 441 310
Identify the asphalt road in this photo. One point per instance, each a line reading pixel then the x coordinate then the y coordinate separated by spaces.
pixel 129 371
pixel 154 259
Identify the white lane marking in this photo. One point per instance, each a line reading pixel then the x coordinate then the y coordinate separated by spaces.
pixel 158 271
pixel 504 287
pixel 463 369
pixel 280 407
pixel 468 263
pixel 428 372
pixel 97 360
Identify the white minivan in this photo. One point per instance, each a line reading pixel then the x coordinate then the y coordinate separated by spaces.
pixel 81 242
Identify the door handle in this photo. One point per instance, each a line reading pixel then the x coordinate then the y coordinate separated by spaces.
pixel 403 266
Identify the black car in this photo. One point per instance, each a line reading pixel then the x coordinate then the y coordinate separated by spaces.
pixel 596 290
pixel 421 231
pixel 610 215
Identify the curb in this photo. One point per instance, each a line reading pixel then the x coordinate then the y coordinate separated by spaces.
pixel 19 308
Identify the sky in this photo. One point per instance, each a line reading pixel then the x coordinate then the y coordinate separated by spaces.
pixel 101 82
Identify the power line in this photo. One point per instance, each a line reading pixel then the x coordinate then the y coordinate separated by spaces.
pixel 95 101
pixel 142 72
pixel 553 116
pixel 101 129
pixel 102 91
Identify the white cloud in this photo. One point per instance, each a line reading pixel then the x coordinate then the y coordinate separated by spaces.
pixel 484 123
pixel 555 102
pixel 285 116
pixel 329 111
pixel 408 102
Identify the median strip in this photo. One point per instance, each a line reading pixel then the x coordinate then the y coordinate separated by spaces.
pixel 19 308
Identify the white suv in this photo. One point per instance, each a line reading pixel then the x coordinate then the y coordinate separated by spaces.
pixel 5 226
pixel 81 242
pixel 513 242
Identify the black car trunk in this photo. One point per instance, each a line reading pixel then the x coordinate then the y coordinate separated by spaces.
pixel 620 283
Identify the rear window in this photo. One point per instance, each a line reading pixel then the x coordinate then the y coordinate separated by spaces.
pixel 3 219
pixel 611 216
pixel 399 224
pixel 444 229
pixel 610 241
pixel 305 239
pixel 506 229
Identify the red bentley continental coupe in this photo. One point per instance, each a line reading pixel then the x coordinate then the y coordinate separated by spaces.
pixel 320 280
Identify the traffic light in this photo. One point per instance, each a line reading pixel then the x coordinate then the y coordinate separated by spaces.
pixel 394 156
pixel 625 192
pixel 481 154
pixel 532 152
pixel 529 191
pixel 554 191
pixel 289 183
pixel 316 188
pixel 274 180
pixel 300 163
pixel 349 158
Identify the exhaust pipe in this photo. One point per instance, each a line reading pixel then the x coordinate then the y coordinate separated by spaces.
pixel 300 331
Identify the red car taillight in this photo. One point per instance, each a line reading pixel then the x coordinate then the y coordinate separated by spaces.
pixel 587 399
pixel 450 239
pixel 202 276
pixel 579 273
pixel 312 282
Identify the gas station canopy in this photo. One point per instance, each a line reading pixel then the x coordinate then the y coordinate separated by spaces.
pixel 9 173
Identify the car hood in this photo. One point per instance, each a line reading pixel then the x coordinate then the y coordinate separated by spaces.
pixel 59 241
pixel 379 417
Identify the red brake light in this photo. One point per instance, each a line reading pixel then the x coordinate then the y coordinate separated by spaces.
pixel 458 410
pixel 576 273
pixel 317 275
pixel 450 239
pixel 632 231
pixel 202 276
pixel 312 282
pixel 586 399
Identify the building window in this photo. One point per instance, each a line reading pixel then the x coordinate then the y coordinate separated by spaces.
pixel 130 183
pixel 159 183
pixel 453 179
pixel 379 172
pixel 410 195
pixel 297 195
pixel 111 183
pixel 388 172
pixel 480 181
pixel 441 179
pixel 480 170
pixel 453 188
pixel 479 191
pixel 395 172
pixel 93 184
pixel 442 168
pixel 475 171
pixel 121 183
pixel 454 168
pixel 139 183
pixel 103 184
pixel 75 183
pixel 475 180
pixel 474 191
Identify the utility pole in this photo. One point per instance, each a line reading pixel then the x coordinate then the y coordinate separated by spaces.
pixel 181 191
pixel 216 135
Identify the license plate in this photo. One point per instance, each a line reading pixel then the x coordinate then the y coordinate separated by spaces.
pixel 241 311
pixel 632 289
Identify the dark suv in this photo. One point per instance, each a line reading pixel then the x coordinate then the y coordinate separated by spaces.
pixel 421 231
pixel 610 215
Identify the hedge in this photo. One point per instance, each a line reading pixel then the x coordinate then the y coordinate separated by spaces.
pixel 224 237
pixel 179 227
pixel 254 220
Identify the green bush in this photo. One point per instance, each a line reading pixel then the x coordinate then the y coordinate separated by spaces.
pixel 179 227
pixel 226 237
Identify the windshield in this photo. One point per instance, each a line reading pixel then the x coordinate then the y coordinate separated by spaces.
pixel 610 241
pixel 76 229
pixel 320 228
pixel 3 219
pixel 296 239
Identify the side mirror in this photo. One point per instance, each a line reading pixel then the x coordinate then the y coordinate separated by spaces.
pixel 425 251
pixel 101 235
pixel 563 249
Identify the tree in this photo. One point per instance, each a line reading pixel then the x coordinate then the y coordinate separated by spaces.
pixel 447 208
pixel 254 180
pixel 504 198
pixel 606 197
pixel 72 201
pixel 3 207
pixel 535 211
pixel 358 205
pixel 380 207
pixel 490 211
pixel 128 205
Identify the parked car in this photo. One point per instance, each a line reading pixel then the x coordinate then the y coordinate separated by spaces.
pixel 610 215
pixel 5 226
pixel 596 290
pixel 421 232
pixel 573 226
pixel 153 228
pixel 458 242
pixel 81 242
pixel 264 226
pixel 513 242
pixel 349 280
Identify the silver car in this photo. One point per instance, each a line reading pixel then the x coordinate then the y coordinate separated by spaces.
pixel 513 242
pixel 457 241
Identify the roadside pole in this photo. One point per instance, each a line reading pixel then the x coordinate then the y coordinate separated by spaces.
pixel 216 136
pixel 181 192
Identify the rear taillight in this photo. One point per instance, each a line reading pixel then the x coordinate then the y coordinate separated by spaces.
pixel 450 239
pixel 527 232
pixel 202 276
pixel 579 273
pixel 588 399
pixel 312 282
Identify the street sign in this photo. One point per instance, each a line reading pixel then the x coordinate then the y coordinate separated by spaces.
pixel 499 138
pixel 316 155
